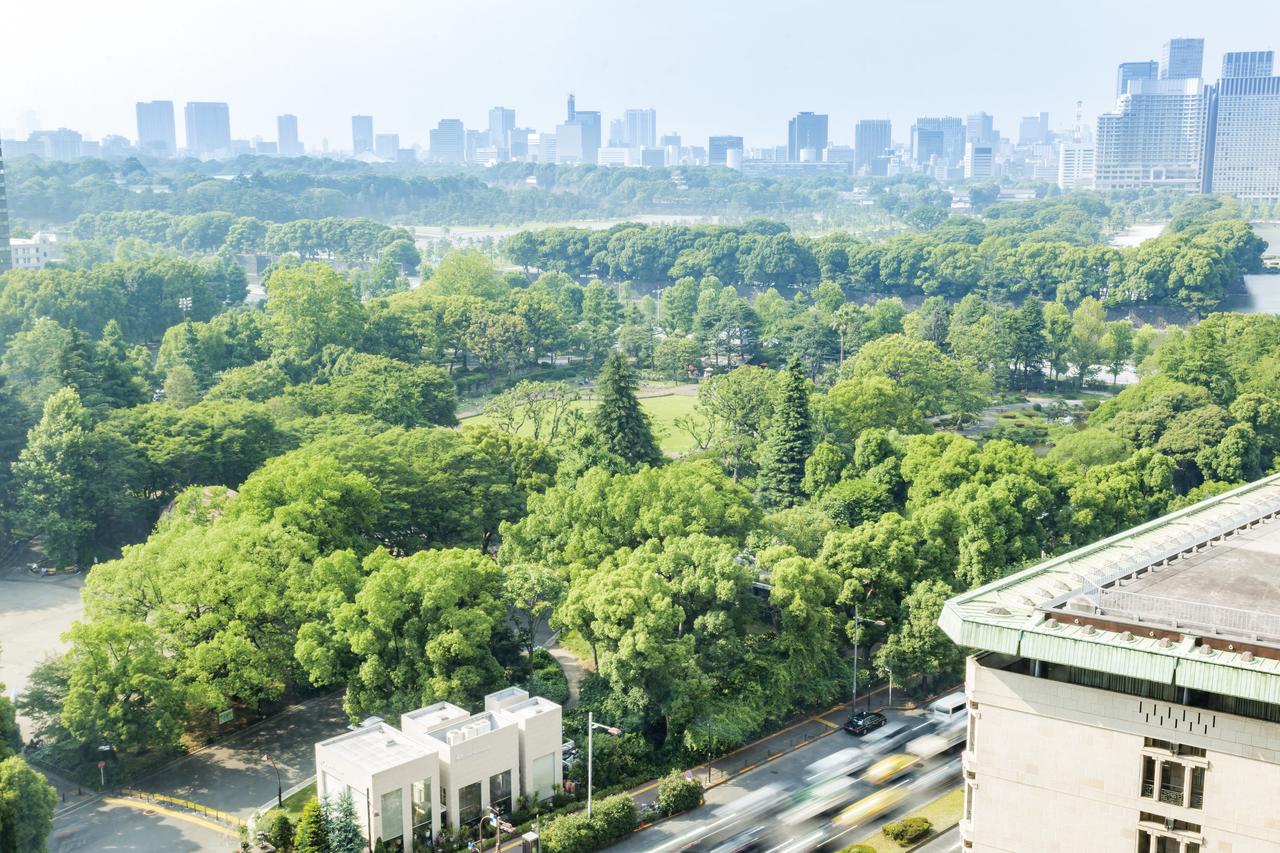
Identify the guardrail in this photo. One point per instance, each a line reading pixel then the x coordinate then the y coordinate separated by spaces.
pixel 150 797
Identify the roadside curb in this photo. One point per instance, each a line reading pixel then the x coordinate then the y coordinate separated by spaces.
pixel 933 836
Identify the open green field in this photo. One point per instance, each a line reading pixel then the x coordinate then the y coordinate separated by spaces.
pixel 662 412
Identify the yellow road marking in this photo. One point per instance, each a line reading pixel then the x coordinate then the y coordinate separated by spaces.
pixel 826 722
pixel 190 818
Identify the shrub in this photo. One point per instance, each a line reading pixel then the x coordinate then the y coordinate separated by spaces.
pixel 678 794
pixel 280 831
pixel 859 848
pixel 908 831
pixel 571 833
pixel 614 817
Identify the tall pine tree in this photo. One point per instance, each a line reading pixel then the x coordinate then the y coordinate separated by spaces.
pixel 344 827
pixel 787 443
pixel 313 830
pixel 623 429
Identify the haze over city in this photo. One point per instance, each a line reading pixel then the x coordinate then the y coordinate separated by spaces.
pixel 707 68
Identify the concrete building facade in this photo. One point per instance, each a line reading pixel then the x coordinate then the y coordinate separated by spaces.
pixel 1154 137
pixel 156 133
pixel 1127 695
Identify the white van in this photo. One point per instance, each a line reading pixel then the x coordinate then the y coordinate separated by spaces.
pixel 950 708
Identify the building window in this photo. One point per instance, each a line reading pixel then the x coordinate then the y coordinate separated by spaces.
pixel 393 818
pixel 422 813
pixel 469 807
pixel 1197 788
pixel 500 792
pixel 1148 776
pixel 1172 777
pixel 543 772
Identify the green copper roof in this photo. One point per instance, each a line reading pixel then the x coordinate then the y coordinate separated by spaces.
pixel 1233 537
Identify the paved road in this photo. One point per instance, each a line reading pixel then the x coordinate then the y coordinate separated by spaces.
pixel 111 826
pixel 947 842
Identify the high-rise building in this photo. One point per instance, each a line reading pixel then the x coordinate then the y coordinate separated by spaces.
pixel 361 135
pixel 718 148
pixel 156 134
pixel 208 128
pixel 641 128
pixel 572 112
pixel 1248 63
pixel 871 138
pixel 980 128
pixel 448 141
pixel 1146 70
pixel 1154 137
pixel 1242 138
pixel 1076 166
pixel 1033 130
pixel 519 142
pixel 501 122
pixel 979 161
pixel 60 144
pixel 1133 684
pixel 387 145
pixel 287 136
pixel 938 137
pixel 806 137
pixel 6 259
pixel 617 133
pixel 1182 59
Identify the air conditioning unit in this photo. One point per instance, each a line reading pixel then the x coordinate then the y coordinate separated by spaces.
pixel 456 736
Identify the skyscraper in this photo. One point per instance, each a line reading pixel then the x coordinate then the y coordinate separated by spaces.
pixel 448 141
pixel 1033 130
pixel 6 260
pixel 941 137
pixel 361 135
pixel 572 111
pixel 1182 59
pixel 979 161
pixel 1249 63
pixel 1148 69
pixel 718 148
pixel 980 128
pixel 806 137
pixel 1076 166
pixel 1154 137
pixel 287 136
pixel 871 138
pixel 501 122
pixel 208 128
pixel 387 145
pixel 642 128
pixel 1242 146
pixel 156 134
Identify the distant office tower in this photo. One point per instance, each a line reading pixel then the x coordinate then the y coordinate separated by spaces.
pixel 1076 166
pixel 1033 130
pixel 60 144
pixel 979 161
pixel 1146 70
pixel 578 139
pixel 642 128
pixel 806 137
pixel 475 140
pixel 448 141
pixel 718 148
pixel 871 138
pixel 519 142
pixel 387 145
pixel 501 122
pixel 572 112
pixel 617 133
pixel 1242 141
pixel 669 139
pixel 156 134
pixel 208 128
pixel 980 128
pixel 361 135
pixel 1154 137
pixel 1182 59
pixel 287 136
pixel 940 137
pixel 1249 63
pixel 6 259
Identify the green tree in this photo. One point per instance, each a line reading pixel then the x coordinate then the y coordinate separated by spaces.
pixel 181 388
pixel 308 308
pixel 344 827
pixel 787 443
pixel 918 647
pixel 532 591
pixel 280 831
pixel 313 829
pixel 1117 347
pixel 618 420
pixel 26 807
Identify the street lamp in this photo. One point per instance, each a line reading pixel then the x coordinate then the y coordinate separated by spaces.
pixel 858 622
pixel 279 787
pixel 592 725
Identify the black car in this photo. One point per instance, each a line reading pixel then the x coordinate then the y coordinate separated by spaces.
pixel 861 722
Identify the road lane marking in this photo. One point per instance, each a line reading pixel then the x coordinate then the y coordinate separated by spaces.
pixel 139 805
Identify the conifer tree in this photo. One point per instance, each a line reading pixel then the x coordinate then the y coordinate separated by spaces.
pixel 344 827
pixel 313 831
pixel 787 443
pixel 623 428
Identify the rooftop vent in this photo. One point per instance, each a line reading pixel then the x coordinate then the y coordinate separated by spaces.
pixel 1247 657
pixel 999 611
pixel 1127 636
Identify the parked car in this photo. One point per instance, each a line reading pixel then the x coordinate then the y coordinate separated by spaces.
pixel 861 722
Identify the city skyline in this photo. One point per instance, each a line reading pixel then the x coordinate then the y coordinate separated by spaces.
pixel 704 97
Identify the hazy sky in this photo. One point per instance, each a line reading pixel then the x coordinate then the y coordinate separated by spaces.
pixel 707 66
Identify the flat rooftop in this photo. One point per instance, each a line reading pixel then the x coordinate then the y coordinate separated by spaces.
pixel 373 748
pixel 1191 598
pixel 484 723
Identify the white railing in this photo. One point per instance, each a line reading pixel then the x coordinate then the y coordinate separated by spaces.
pixel 1178 613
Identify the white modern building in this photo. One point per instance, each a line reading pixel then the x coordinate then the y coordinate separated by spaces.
pixel 1126 696
pixel 1076 163
pixel 1243 144
pixel 445 767
pixel 35 252
pixel 979 161
pixel 1154 137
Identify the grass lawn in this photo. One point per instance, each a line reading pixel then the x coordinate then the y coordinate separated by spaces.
pixel 662 412
pixel 942 813
pixel 293 805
